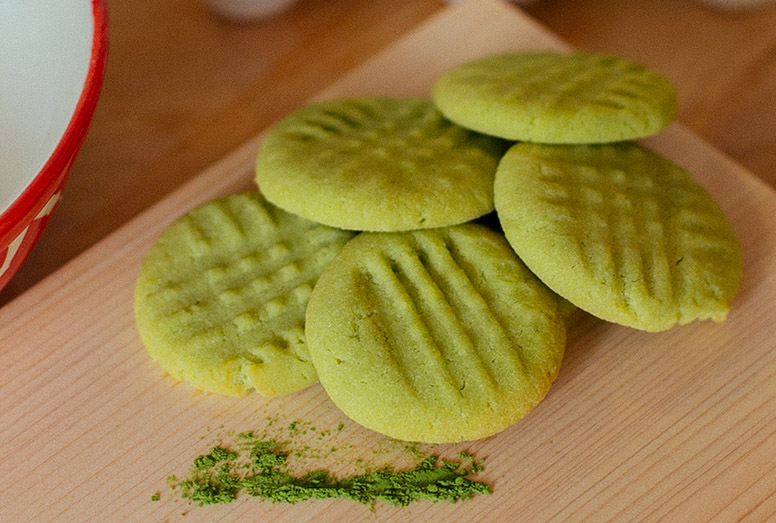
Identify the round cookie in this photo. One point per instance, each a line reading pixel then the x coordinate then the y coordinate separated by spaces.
pixel 436 335
pixel 549 97
pixel 619 232
pixel 377 164
pixel 221 296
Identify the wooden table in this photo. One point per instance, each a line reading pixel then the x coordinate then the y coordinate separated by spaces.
pixel 183 88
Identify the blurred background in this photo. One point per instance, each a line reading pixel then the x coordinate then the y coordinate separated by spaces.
pixel 184 87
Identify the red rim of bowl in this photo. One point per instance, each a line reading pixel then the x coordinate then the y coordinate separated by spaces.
pixel 14 216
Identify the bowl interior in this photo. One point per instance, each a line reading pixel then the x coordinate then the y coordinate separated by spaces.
pixel 45 51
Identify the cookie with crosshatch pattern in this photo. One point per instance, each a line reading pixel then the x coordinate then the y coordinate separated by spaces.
pixel 378 164
pixel 221 296
pixel 619 232
pixel 434 335
pixel 550 97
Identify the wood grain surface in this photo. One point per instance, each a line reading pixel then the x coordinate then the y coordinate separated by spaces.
pixel 183 88
pixel 670 426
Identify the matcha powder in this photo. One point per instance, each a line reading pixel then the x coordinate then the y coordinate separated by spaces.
pixel 220 476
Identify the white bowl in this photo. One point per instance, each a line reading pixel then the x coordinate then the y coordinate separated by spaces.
pixel 247 10
pixel 52 58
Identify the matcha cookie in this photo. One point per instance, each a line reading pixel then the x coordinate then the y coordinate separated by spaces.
pixel 221 297
pixel 619 232
pixel 550 97
pixel 377 164
pixel 438 335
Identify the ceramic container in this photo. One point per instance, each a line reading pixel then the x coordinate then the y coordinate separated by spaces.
pixel 52 55
pixel 247 10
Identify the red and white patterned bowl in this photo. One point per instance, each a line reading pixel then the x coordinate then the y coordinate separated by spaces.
pixel 52 57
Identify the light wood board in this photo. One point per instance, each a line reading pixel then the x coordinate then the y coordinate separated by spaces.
pixel 672 425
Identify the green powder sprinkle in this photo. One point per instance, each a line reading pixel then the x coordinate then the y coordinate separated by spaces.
pixel 220 476
pixel 216 455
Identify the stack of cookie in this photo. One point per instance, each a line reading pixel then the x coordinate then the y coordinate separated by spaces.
pixel 423 326
pixel 612 227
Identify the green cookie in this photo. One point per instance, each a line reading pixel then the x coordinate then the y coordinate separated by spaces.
pixel 619 232
pixel 437 335
pixel 377 164
pixel 221 297
pixel 550 97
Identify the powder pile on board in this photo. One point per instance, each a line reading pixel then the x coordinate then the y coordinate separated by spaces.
pixel 257 466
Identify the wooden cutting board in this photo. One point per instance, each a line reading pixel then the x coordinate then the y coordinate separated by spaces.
pixel 672 425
